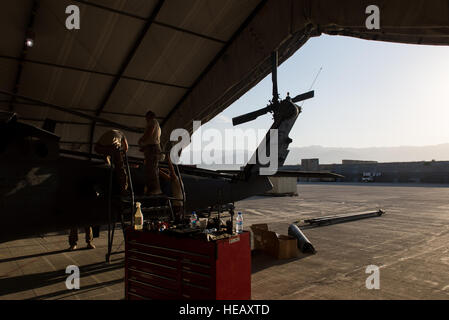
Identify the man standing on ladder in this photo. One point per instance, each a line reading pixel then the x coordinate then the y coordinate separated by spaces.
pixel 150 145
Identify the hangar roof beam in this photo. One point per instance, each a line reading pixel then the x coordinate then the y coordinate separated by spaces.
pixel 217 57
pixel 166 25
pixel 125 65
pixel 93 72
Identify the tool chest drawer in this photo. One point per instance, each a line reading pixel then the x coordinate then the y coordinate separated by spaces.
pixel 151 292
pixel 163 267
pixel 172 244
pixel 200 279
pixel 151 278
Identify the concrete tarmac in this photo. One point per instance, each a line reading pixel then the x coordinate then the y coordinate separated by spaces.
pixel 409 244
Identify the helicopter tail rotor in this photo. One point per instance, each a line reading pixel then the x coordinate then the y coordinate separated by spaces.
pixel 275 105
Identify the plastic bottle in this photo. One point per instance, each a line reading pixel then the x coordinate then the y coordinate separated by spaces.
pixel 138 217
pixel 239 223
pixel 210 231
pixel 194 220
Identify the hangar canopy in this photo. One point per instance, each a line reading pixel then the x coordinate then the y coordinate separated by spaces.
pixel 185 60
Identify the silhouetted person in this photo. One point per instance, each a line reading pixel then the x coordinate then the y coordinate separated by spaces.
pixel 112 144
pixel 73 238
pixel 150 146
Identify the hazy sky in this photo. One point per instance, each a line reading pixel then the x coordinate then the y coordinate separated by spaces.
pixel 368 94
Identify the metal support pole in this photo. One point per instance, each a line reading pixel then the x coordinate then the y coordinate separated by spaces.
pixel 132 192
pixel 108 255
pixel 182 190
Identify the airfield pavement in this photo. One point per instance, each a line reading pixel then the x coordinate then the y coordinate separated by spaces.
pixel 409 244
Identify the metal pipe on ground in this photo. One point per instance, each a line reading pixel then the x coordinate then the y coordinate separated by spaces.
pixel 327 220
pixel 303 243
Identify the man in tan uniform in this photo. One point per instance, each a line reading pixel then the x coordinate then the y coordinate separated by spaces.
pixel 111 145
pixel 73 238
pixel 150 145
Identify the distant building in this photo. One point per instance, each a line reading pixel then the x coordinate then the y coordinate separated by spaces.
pixel 373 171
pixel 283 186
pixel 358 162
pixel 398 172
pixel 310 164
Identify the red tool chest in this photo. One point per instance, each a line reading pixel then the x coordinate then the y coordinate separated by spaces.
pixel 165 267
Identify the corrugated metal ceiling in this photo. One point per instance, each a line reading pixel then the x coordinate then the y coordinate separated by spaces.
pixel 184 59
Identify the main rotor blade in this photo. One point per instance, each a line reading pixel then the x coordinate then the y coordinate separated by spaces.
pixel 304 96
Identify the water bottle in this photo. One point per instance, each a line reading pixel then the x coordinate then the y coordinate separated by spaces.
pixel 210 231
pixel 193 220
pixel 239 223
pixel 138 218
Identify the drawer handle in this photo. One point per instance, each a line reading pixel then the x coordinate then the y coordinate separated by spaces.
pixel 186 296
pixel 186 280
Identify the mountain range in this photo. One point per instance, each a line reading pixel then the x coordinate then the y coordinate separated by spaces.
pixel 329 155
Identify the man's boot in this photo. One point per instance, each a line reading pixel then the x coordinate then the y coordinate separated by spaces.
pixel 90 245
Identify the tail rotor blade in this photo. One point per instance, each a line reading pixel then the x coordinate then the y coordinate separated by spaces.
pixel 249 116
pixel 304 96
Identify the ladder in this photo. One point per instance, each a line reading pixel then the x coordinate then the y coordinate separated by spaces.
pixel 152 206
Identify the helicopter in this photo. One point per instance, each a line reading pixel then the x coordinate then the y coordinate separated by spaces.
pixel 46 189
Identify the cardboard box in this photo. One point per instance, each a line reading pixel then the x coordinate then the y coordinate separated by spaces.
pixel 258 230
pixel 278 246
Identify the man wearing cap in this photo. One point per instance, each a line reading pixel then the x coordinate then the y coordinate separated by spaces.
pixel 112 144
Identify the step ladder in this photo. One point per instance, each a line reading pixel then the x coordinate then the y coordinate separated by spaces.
pixel 156 206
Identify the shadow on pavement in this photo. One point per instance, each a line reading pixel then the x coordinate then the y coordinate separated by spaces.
pixel 261 260
pixel 40 280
